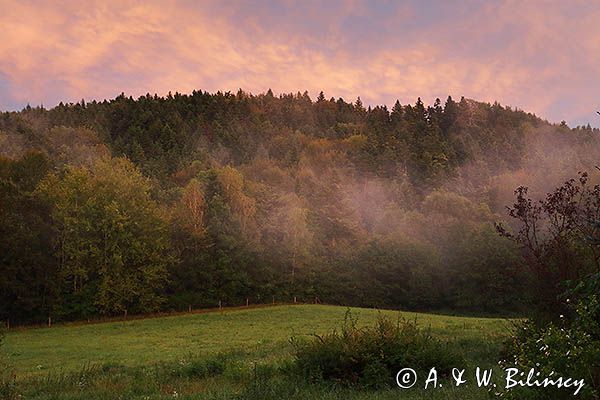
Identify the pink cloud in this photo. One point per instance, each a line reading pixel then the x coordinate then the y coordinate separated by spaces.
pixel 542 57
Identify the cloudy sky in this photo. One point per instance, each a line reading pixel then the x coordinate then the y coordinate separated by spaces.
pixel 540 56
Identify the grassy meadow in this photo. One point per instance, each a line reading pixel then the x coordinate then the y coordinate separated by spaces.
pixel 230 354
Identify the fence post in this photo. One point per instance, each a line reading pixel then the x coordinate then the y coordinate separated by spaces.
pixel 125 314
pixel 247 302
pixel 190 308
pixel 273 299
pixel 220 305
pixel 294 299
pixel 49 321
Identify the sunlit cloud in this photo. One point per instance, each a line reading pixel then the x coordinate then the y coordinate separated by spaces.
pixel 543 57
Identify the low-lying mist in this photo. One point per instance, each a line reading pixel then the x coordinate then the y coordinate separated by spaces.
pixel 251 198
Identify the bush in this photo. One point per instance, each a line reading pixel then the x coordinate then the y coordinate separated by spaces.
pixel 370 357
pixel 203 368
pixel 570 348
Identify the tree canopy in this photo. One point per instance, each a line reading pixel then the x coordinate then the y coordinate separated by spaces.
pixel 161 203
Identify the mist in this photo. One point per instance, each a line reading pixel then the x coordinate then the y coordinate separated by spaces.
pixel 264 196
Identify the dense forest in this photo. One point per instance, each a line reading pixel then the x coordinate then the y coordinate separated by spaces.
pixel 162 203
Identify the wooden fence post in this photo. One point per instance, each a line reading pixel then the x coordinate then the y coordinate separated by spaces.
pixel 247 302
pixel 190 308
pixel 294 299
pixel 273 299
pixel 49 322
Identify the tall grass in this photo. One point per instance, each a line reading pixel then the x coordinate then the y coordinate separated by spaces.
pixel 7 374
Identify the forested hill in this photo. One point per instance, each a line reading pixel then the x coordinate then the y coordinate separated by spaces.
pixel 163 203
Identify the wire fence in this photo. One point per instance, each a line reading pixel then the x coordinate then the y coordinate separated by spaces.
pixel 220 306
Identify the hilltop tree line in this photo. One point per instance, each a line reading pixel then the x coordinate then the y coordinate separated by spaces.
pixel 161 203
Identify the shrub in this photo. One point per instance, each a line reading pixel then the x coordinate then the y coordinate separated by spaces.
pixel 569 348
pixel 371 356
pixel 204 368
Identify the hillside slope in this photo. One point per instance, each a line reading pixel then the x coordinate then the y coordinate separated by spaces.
pixel 158 204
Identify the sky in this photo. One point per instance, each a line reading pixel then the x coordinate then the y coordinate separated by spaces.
pixel 539 56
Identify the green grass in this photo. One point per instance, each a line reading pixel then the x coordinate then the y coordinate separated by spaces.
pixel 158 354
